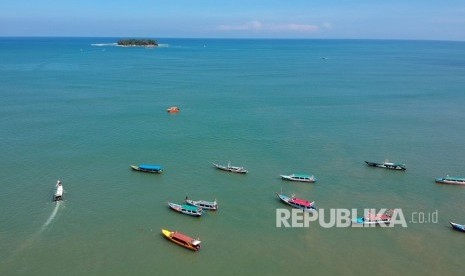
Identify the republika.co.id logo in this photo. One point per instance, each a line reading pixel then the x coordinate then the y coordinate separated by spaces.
pixel 339 217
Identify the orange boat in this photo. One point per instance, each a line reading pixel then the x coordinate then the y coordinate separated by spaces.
pixel 173 109
pixel 181 239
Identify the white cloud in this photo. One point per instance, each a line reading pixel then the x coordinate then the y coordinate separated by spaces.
pixel 257 25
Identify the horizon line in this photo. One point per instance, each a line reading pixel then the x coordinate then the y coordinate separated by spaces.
pixel 225 38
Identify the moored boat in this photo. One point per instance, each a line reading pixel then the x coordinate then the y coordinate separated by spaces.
pixel 186 209
pixel 230 168
pixel 299 177
pixel 387 165
pixel 207 205
pixel 297 202
pixel 147 168
pixel 181 239
pixel 458 227
pixel 451 180
pixel 172 109
pixel 375 219
pixel 58 195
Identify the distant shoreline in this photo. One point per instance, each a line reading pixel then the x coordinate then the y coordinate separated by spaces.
pixel 137 43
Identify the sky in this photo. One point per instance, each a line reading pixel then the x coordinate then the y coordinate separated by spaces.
pixel 321 19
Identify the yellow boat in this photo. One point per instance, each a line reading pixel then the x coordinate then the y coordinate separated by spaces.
pixel 181 239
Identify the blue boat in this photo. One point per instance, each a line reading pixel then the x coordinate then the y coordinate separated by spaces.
pixel 147 168
pixel 298 203
pixel 458 227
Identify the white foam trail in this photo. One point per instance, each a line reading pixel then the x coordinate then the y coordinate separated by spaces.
pixel 32 239
pixel 104 44
pixel 52 216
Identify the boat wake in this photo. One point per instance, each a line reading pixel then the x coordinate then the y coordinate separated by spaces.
pixel 103 44
pixel 49 220
pixel 29 242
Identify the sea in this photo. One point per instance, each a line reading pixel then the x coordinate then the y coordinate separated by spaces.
pixel 82 110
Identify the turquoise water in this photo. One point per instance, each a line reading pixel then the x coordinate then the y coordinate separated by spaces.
pixel 82 113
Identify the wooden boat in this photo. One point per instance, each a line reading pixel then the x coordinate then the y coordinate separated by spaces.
pixel 458 227
pixel 230 168
pixel 387 165
pixel 375 219
pixel 58 195
pixel 451 180
pixel 186 209
pixel 208 205
pixel 181 239
pixel 172 109
pixel 147 168
pixel 299 177
pixel 297 202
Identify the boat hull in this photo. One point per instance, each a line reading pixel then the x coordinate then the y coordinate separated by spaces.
pixel 445 181
pixel 137 168
pixel 287 200
pixel 458 227
pixel 231 169
pixel 386 166
pixel 178 208
pixel 290 178
pixel 169 236
pixel 204 205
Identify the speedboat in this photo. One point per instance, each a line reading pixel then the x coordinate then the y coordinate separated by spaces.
pixel 181 239
pixel 58 192
pixel 299 177
pixel 451 180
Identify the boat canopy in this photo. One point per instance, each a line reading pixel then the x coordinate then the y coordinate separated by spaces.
pixel 182 237
pixel 453 178
pixel 150 167
pixel 300 201
pixel 302 175
pixel 190 208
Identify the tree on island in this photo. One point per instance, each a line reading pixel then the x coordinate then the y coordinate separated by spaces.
pixel 137 42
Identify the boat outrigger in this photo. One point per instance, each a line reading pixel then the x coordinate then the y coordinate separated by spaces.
pixel 458 227
pixel 208 205
pixel 387 165
pixel 181 239
pixel 375 219
pixel 299 177
pixel 297 202
pixel 230 168
pixel 58 195
pixel 451 180
pixel 186 209
pixel 147 168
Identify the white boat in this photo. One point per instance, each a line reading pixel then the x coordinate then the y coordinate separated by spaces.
pixel 230 168
pixel 299 177
pixel 58 192
pixel 451 180
pixel 387 165
pixel 208 205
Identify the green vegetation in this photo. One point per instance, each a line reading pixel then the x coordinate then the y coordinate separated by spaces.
pixel 138 42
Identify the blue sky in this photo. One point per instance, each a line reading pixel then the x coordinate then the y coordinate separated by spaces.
pixel 357 19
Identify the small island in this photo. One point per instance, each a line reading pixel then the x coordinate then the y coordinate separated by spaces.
pixel 137 42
